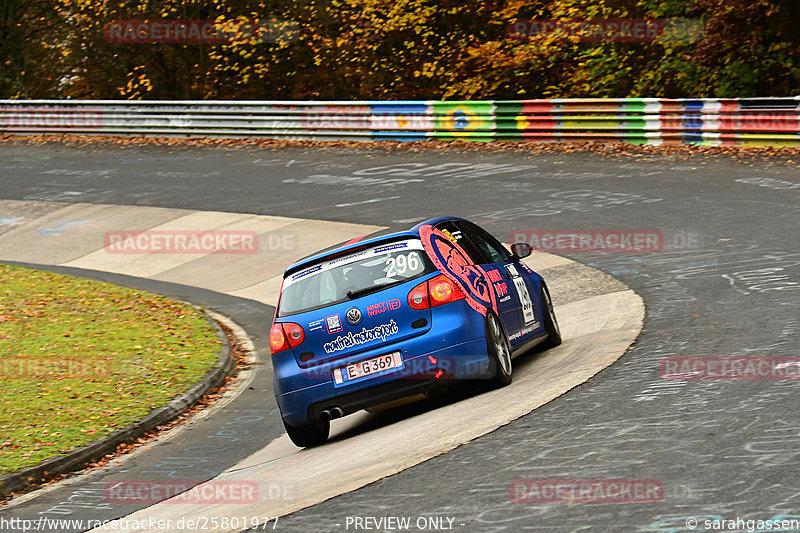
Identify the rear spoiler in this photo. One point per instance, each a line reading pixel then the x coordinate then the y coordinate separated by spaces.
pixel 344 249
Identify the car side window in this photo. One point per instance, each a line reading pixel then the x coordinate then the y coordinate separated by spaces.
pixel 449 228
pixel 490 248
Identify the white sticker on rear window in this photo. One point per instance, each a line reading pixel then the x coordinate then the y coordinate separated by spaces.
pixel 306 272
pixel 389 247
pixel 412 244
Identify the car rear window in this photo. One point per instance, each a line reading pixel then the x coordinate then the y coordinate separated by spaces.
pixel 329 281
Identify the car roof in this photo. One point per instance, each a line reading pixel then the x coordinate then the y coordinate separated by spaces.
pixel 365 241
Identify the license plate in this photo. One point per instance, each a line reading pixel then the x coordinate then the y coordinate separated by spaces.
pixel 367 367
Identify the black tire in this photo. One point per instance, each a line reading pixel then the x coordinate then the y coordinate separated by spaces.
pixel 311 435
pixel 550 322
pixel 499 350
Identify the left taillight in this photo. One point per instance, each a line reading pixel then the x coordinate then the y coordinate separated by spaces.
pixel 285 335
pixel 434 292
pixel 418 297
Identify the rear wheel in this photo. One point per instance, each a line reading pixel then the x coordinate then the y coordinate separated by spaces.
pixel 550 322
pixel 499 352
pixel 310 435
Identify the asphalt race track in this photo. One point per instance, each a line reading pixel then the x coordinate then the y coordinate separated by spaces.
pixel 725 284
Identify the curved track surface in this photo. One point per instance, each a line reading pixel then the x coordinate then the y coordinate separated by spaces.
pixel 725 284
pixel 599 319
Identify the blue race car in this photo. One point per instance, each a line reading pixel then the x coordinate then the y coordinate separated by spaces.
pixel 399 314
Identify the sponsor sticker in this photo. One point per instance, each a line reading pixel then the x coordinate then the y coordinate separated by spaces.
pixel 524 331
pixel 494 275
pixel 365 336
pixel 305 273
pixel 383 307
pixel 389 247
pixel 454 262
pixel 524 295
pixel 333 323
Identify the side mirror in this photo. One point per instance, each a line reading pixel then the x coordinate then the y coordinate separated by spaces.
pixel 521 249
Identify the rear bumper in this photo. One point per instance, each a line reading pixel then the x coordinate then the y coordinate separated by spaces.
pixel 419 375
pixel 379 394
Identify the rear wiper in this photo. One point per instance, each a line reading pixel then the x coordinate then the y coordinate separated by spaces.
pixel 368 290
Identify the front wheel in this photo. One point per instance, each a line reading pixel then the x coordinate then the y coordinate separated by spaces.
pixel 499 352
pixel 550 322
pixel 310 435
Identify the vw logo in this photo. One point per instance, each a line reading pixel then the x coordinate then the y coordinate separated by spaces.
pixel 353 315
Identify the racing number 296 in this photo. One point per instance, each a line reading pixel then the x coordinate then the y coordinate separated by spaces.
pixel 402 264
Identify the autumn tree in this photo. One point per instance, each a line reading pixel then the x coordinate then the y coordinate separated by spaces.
pixel 399 49
pixel 30 56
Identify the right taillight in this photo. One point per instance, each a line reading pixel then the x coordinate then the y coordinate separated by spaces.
pixel 443 291
pixel 432 293
pixel 285 335
pixel 277 340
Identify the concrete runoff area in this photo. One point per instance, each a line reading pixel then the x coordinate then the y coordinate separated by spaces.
pixel 76 235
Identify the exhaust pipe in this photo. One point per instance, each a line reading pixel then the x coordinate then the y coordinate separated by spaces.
pixel 329 414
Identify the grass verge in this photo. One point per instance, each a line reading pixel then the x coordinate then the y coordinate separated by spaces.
pixel 80 359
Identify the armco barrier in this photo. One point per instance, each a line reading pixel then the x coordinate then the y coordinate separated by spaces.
pixel 709 121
